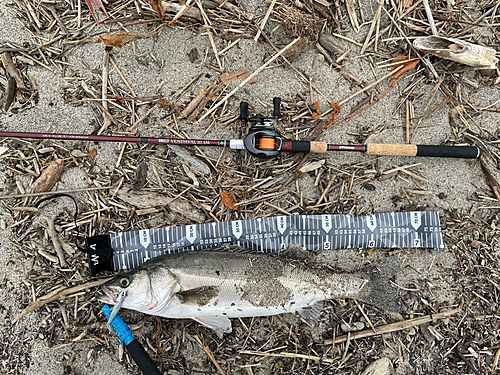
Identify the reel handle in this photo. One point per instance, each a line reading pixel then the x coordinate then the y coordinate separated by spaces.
pixel 277 104
pixel 244 111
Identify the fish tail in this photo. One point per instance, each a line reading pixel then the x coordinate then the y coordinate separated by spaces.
pixel 379 291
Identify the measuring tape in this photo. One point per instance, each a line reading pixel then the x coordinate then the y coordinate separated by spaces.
pixel 126 250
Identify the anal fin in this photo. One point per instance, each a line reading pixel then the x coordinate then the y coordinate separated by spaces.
pixel 310 314
pixel 219 323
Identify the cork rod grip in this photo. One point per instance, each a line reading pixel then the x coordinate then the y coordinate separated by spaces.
pixel 318 147
pixel 382 149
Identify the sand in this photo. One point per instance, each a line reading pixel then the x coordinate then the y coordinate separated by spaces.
pixel 453 182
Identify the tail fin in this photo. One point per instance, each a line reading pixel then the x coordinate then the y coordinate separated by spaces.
pixel 378 290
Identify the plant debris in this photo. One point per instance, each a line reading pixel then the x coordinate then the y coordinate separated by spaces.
pixel 451 319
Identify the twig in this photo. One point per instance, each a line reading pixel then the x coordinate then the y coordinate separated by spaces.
pixel 223 100
pixel 52 9
pixel 430 18
pixel 122 76
pixel 349 4
pixel 426 61
pixel 287 355
pixel 105 65
pixel 57 294
pixel 210 355
pixel 372 27
pixel 301 75
pixel 264 21
pixel 54 192
pixel 495 361
pixel 338 66
pixel 210 36
pixel 51 227
pixel 372 84
pixel 174 8
pixel 393 327
pixel 407 121
pixel 492 174
pixel 365 316
pixel 33 14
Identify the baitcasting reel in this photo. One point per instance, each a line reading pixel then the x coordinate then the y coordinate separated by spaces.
pixel 262 140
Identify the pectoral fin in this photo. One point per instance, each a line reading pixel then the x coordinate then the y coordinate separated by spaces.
pixel 219 323
pixel 310 314
pixel 198 296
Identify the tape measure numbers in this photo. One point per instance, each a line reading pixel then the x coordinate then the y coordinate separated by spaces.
pixel 414 229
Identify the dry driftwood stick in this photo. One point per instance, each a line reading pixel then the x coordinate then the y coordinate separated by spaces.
pixel 197 100
pixel 105 65
pixel 425 61
pixel 393 327
pixel 264 21
pixel 210 355
pixel 57 294
pixel 430 18
pixel 325 53
pixel 9 95
pixel 33 15
pixel 11 69
pixel 493 175
pixel 54 192
pixel 175 8
pixel 210 97
pixel 52 9
pixel 234 9
pixel 287 355
pixel 349 4
pixel 51 227
pixel 371 85
pixel 458 50
pixel 49 177
pixel 372 27
pixel 223 100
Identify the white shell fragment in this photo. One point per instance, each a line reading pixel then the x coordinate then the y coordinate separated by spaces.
pixel 382 366
pixel 458 50
pixel 312 166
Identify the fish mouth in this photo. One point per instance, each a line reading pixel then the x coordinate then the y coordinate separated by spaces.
pixel 109 296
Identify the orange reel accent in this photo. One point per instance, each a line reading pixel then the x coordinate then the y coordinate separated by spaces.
pixel 267 143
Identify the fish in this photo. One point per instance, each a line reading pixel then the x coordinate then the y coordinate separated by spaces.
pixel 212 287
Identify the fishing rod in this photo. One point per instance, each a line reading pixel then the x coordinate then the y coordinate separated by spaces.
pixel 264 141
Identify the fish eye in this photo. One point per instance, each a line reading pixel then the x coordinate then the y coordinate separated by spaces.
pixel 124 282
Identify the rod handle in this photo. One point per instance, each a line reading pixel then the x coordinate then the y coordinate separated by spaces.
pixel 303 146
pixel 142 358
pixel 277 104
pixel 244 111
pixel 465 152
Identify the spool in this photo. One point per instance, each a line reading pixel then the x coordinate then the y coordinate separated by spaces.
pixel 267 143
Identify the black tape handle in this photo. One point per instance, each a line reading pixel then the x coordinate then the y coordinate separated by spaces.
pixel 465 152
pixel 142 358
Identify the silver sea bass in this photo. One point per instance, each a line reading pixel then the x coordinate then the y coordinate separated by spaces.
pixel 213 286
